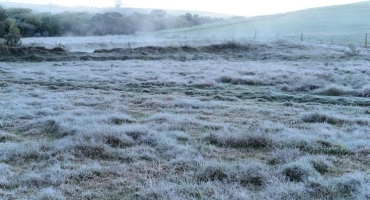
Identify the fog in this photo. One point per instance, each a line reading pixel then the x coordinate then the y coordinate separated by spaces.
pixel 233 7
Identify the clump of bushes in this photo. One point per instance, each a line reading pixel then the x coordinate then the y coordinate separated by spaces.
pixel 240 140
pixel 240 81
pixel 321 164
pixel 316 117
pixel 335 90
pixel 298 171
pixel 229 46
pixel 12 39
pixel 352 186
pixel 323 118
pixel 212 172
pixel 282 156
pixel 353 50
pixel 32 24
pixel 254 174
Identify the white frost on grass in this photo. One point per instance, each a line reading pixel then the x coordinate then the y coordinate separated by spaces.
pixel 211 129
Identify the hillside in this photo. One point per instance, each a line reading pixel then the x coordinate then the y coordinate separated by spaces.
pixel 345 23
pixel 128 11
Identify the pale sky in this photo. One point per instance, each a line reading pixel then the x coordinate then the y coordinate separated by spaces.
pixel 236 7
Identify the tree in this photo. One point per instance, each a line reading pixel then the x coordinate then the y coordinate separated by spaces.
pixel 3 18
pixel 13 12
pixel 188 17
pixel 10 26
pixel 50 25
pixel 107 23
pixel 75 23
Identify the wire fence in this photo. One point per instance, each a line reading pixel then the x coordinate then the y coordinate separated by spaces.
pixel 234 31
pixel 360 39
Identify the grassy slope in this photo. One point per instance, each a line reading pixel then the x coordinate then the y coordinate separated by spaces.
pixel 345 23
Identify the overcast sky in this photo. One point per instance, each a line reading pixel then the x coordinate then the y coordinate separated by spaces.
pixel 237 7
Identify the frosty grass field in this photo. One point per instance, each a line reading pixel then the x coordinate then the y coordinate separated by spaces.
pixel 280 120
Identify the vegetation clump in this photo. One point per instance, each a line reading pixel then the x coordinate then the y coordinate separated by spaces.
pixel 12 39
pixel 30 24
pixel 323 118
pixel 297 172
pixel 353 50
pixel 229 46
pixel 240 140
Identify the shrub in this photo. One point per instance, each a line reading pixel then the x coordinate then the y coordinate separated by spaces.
pixel 298 171
pixel 13 39
pixel 351 186
pixel 254 174
pixel 212 172
pixel 335 90
pixel 61 47
pixel 282 156
pixel 318 189
pixel 321 165
pixel 240 81
pixel 240 140
pixel 118 141
pixel 295 173
pixel 322 118
pixel 353 50
pixel 229 45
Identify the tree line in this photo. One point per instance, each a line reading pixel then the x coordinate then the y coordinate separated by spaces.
pixel 26 23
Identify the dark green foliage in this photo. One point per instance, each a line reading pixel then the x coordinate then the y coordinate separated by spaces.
pixel 3 17
pixel 30 24
pixel 107 23
pixel 75 23
pixel 23 21
pixel 13 39
pixel 51 25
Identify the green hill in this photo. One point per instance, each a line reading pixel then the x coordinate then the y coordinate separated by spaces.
pixel 345 23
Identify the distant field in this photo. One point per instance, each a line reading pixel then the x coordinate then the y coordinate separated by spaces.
pixel 345 23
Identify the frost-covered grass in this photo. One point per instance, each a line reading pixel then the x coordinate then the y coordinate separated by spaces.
pixel 213 129
pixel 341 24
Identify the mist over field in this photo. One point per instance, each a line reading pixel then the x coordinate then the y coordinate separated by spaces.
pixel 269 107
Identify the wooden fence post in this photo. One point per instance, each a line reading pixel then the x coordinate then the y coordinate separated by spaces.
pixel 255 34
pixel 366 40
pixel 301 37
pixel 331 41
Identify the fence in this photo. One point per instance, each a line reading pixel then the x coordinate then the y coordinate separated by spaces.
pixel 360 39
pixel 230 32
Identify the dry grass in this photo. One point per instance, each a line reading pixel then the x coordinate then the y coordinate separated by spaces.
pixel 212 129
